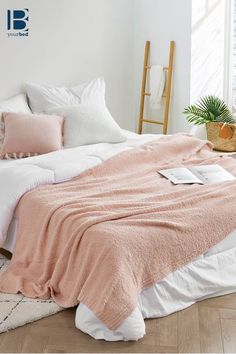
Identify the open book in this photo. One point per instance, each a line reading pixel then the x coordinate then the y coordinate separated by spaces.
pixel 201 174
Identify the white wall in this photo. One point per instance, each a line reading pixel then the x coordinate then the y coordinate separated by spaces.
pixel 161 21
pixel 76 40
pixel 71 42
pixel 208 48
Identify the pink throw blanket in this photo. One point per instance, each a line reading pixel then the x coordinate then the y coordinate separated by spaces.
pixel 119 228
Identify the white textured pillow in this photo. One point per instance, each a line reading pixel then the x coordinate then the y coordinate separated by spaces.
pixel 17 104
pixel 88 124
pixel 43 97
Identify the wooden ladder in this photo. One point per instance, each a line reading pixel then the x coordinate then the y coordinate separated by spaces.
pixel 167 90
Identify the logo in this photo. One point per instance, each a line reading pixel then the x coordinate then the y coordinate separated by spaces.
pixel 18 23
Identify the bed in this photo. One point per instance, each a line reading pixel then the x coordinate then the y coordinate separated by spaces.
pixel 211 274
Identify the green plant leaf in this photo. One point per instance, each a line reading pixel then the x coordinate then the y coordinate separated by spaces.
pixel 209 109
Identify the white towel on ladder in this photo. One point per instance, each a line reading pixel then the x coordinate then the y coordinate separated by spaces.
pixel 157 85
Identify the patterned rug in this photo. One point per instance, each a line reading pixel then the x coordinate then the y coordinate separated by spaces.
pixel 17 310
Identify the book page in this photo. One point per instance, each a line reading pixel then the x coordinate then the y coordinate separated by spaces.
pixel 180 175
pixel 212 173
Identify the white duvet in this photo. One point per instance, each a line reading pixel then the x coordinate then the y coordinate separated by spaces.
pixel 213 274
pixel 20 176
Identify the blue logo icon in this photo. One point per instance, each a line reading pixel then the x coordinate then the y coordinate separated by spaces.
pixel 18 22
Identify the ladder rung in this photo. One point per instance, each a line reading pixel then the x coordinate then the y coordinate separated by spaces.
pixel 152 121
pixel 149 67
pixel 149 94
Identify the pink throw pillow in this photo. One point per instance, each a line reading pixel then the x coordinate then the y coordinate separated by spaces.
pixel 31 134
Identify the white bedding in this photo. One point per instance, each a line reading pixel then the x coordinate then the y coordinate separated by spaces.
pixel 213 274
pixel 20 176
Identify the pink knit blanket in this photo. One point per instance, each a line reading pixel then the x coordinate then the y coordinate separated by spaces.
pixel 118 228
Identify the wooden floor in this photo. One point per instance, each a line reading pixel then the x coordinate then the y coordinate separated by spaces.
pixel 209 327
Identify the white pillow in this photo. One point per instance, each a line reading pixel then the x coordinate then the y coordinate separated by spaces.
pixel 88 123
pixel 43 97
pixel 17 104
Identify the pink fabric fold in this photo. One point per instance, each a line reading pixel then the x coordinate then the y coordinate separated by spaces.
pixel 119 228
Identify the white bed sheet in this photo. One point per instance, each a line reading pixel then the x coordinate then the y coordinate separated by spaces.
pixel 87 157
pixel 212 274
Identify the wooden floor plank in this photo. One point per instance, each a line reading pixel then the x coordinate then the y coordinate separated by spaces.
pixel 228 314
pixel 167 331
pixel 188 330
pixel 210 329
pixel 13 341
pixel 229 335
pixel 207 327
pixel 228 301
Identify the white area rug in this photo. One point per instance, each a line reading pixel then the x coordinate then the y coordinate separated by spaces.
pixel 17 310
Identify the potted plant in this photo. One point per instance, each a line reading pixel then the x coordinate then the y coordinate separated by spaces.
pixel 219 121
